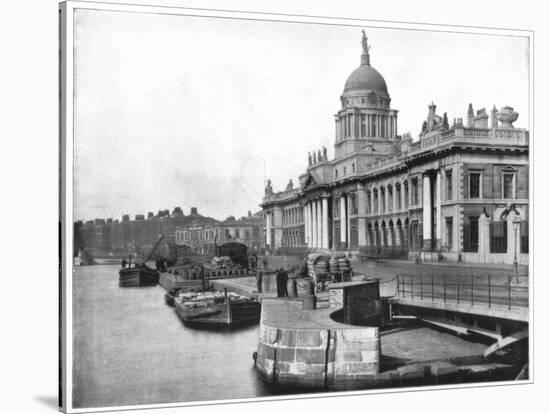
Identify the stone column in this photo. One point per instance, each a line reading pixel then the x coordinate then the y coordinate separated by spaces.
pixel 343 222
pixel 426 212
pixel 325 222
pixel 438 210
pixel 314 223
pixel 306 229
pixel 483 238
pixel 319 224
pixel 268 228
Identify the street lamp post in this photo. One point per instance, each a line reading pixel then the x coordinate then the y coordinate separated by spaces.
pixel 516 224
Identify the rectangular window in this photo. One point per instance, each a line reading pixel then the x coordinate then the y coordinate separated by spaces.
pixel 449 184
pixel 508 185
pixel 363 125
pixel 475 185
pixel 449 232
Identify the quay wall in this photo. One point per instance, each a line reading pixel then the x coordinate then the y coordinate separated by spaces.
pixel 307 349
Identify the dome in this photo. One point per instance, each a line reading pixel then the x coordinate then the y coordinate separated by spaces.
pixel 366 78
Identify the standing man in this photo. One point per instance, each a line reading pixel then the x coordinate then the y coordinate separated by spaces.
pixel 259 277
pixel 284 283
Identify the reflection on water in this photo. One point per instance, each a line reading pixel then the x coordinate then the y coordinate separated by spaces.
pixel 130 348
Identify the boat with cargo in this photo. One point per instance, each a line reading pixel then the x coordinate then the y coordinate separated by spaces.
pixel 217 310
pixel 140 274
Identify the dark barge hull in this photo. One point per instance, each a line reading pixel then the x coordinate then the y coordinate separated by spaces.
pixel 222 316
pixel 138 277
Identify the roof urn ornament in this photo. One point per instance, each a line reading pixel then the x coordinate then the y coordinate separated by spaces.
pixel 507 117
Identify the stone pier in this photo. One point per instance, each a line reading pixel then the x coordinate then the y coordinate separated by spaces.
pixel 306 348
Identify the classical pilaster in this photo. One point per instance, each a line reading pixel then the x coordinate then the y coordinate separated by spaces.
pixel 427 212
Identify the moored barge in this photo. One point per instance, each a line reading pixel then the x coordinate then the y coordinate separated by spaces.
pixel 217 310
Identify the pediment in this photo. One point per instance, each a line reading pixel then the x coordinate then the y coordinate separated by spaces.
pixel 310 183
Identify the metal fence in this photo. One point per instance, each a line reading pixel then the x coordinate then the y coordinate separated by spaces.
pixel 509 291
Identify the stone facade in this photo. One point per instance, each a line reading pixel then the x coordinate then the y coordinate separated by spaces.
pixel 446 195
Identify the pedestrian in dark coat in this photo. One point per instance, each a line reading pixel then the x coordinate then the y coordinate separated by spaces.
pixel 279 284
pixel 284 283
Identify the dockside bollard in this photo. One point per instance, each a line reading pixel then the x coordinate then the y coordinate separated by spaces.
pixel 293 288
pixel 310 302
pixel 310 287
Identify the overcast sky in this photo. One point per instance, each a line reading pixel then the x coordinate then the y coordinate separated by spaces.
pixel 195 111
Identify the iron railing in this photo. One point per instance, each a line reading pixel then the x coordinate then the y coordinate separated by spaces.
pixel 488 290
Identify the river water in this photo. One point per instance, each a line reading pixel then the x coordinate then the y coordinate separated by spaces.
pixel 130 348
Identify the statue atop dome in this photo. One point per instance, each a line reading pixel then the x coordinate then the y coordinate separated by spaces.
pixel 365 57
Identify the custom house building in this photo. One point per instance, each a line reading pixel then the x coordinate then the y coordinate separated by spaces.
pixel 458 193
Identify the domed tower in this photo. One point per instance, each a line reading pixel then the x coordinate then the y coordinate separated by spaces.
pixel 365 116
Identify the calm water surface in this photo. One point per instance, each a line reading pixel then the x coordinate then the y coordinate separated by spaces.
pixel 131 348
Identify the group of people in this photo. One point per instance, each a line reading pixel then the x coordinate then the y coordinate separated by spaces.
pixel 282 282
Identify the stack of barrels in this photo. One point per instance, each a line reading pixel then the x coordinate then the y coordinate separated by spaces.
pixel 339 263
pixel 322 266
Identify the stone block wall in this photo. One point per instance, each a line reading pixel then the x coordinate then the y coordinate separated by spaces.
pixel 316 358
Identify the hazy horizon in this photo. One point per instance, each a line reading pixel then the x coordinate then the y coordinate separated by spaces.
pixel 199 112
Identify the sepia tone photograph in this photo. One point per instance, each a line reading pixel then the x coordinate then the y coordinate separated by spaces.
pixel 259 206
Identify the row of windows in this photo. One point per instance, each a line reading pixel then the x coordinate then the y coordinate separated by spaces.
pixel 205 235
pixel 382 199
pixel 370 125
pixel 508 187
